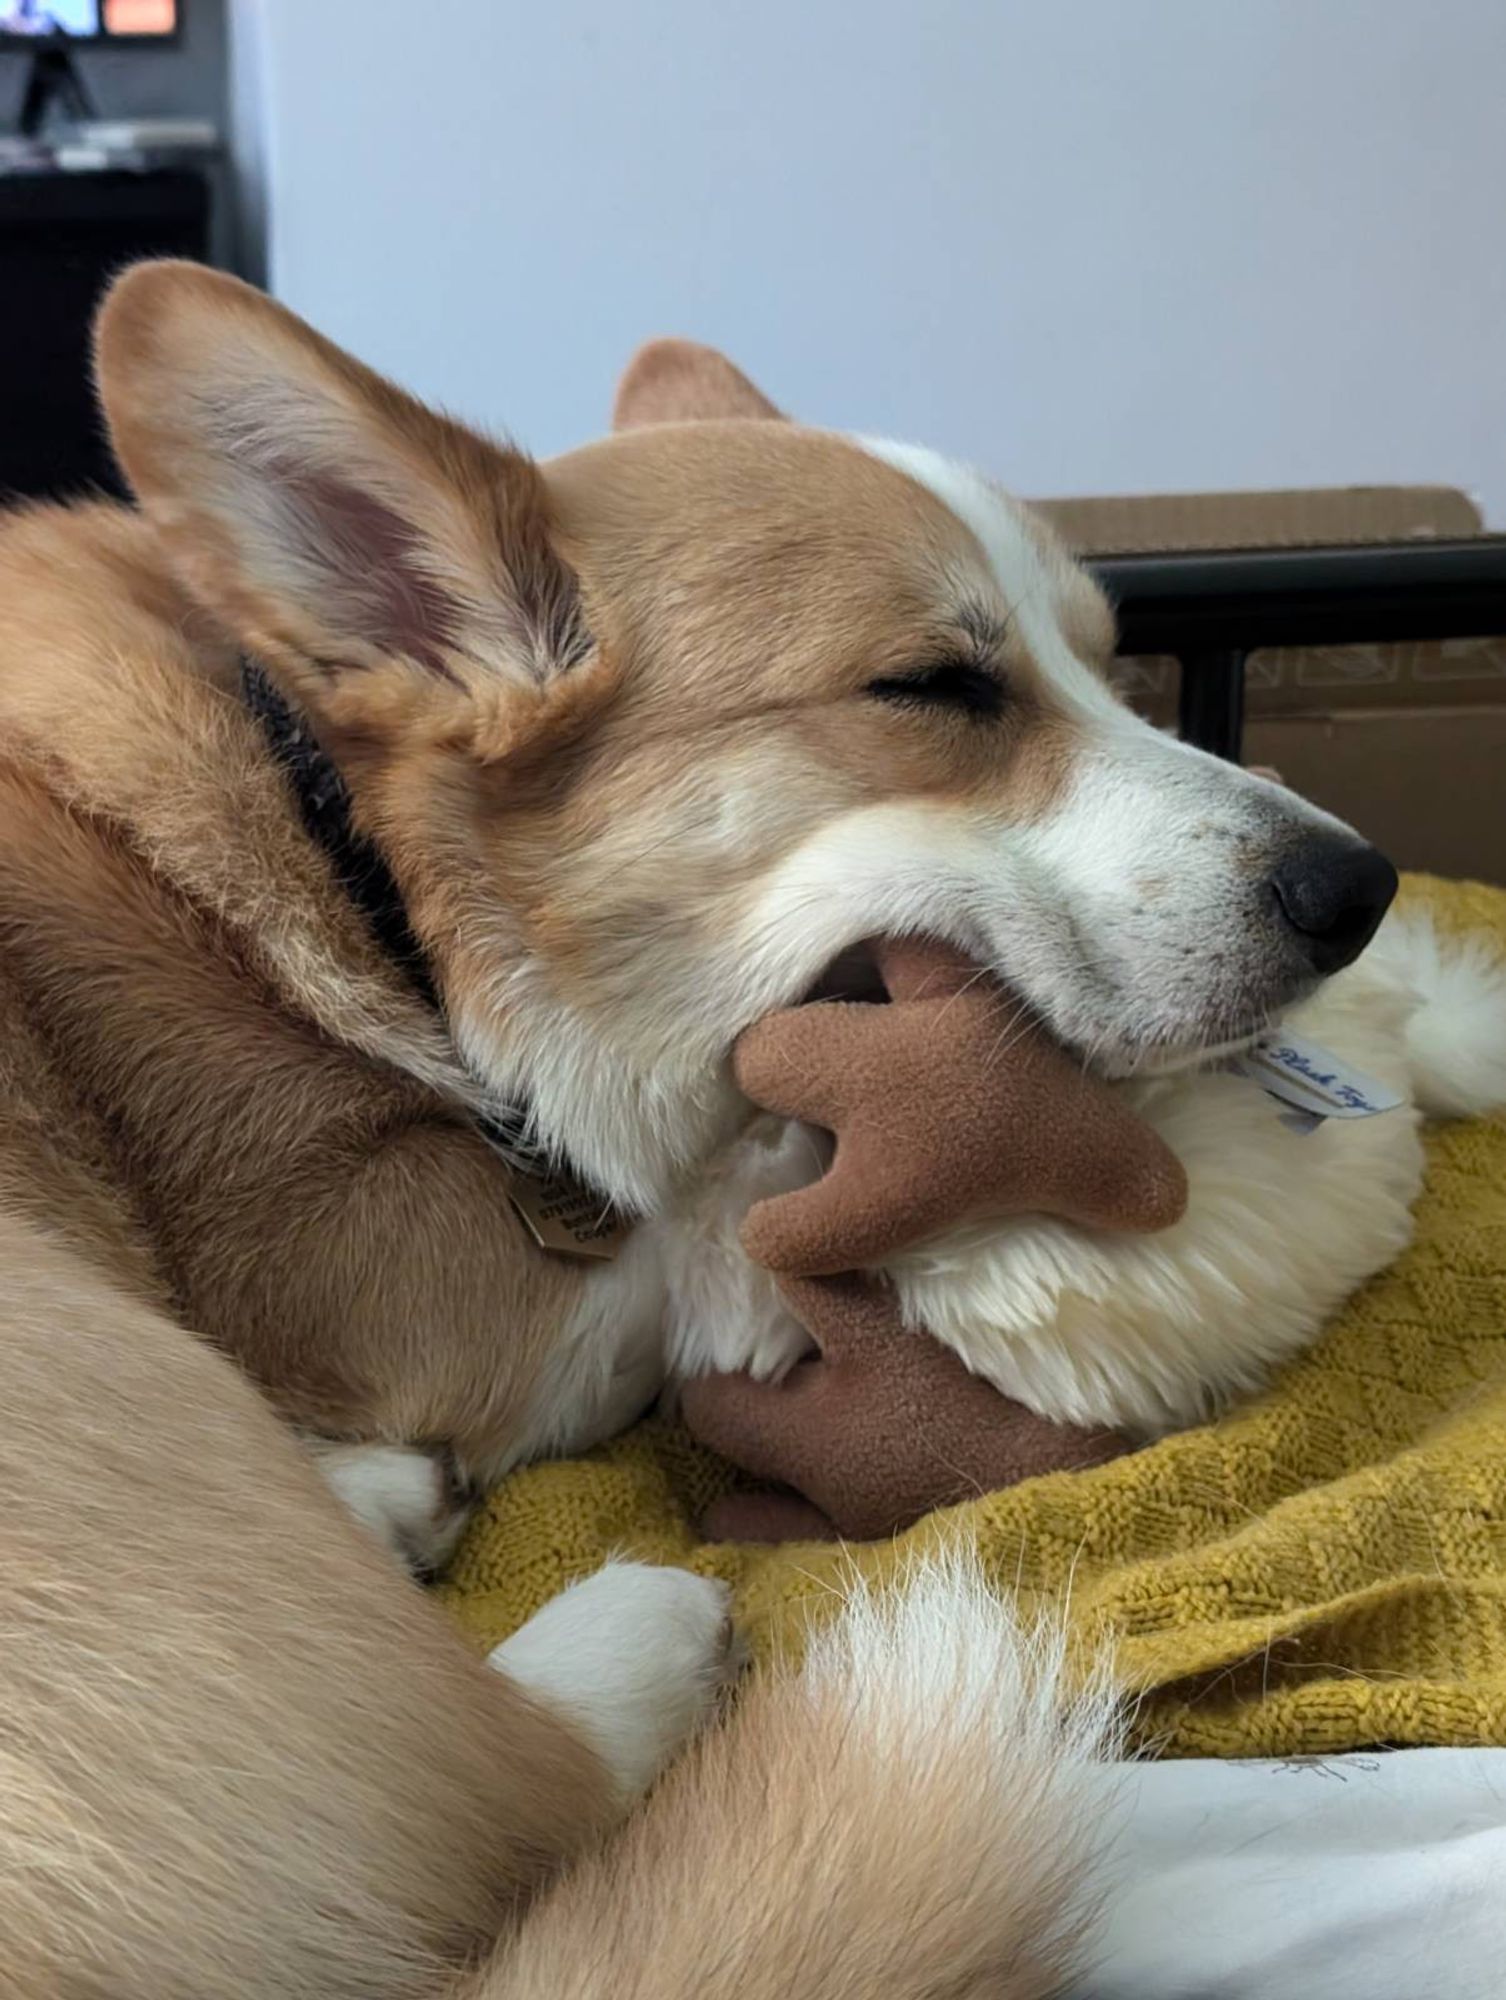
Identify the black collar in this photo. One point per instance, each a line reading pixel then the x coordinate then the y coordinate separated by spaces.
pixel 324 801
pixel 563 1211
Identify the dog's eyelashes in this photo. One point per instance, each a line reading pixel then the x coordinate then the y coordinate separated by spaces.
pixel 954 684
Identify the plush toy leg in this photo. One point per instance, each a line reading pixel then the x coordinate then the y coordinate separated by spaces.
pixel 887 1425
pixel 766 1517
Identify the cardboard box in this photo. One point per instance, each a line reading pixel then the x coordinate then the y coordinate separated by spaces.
pixel 1299 518
pixel 1424 784
pixel 1408 742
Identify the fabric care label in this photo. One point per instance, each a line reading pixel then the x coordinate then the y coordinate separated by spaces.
pixel 1312 1083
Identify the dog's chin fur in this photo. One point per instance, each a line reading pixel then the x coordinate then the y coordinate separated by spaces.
pixel 1147 1334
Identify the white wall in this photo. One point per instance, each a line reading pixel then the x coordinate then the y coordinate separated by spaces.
pixel 249 119
pixel 1096 246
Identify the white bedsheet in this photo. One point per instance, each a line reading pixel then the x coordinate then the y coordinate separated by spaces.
pixel 1342 1878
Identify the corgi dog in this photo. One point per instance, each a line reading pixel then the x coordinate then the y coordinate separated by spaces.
pixel 383 813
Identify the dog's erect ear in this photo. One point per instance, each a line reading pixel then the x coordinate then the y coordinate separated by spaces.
pixel 680 382
pixel 330 520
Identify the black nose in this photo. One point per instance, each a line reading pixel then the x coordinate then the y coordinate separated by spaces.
pixel 1333 893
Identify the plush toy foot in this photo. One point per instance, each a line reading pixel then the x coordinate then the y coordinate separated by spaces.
pixel 766 1517
pixel 950 1104
pixel 885 1426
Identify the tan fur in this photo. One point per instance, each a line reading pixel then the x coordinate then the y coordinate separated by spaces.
pixel 678 382
pixel 187 964
pixel 906 1819
pixel 800 570
pixel 239 1755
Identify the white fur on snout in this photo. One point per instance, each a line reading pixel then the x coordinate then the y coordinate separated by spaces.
pixel 1131 916
pixel 632 1656
pixel 1161 935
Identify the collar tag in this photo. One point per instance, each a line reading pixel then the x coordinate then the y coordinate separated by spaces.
pixel 559 1212
pixel 563 1215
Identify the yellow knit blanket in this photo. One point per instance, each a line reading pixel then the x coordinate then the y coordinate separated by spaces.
pixel 1321 1570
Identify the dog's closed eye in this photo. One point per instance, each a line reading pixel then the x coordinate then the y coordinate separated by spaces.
pixel 955 684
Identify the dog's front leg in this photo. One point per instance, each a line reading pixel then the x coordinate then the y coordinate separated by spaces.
pixel 409 1497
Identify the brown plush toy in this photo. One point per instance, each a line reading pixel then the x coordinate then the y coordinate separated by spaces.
pixel 948 1105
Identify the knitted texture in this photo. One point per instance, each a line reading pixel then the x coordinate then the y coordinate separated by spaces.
pixel 1322 1569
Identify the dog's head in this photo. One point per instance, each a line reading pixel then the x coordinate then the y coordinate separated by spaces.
pixel 653 733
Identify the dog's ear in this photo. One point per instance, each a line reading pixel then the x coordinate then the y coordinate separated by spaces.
pixel 679 382
pixel 359 544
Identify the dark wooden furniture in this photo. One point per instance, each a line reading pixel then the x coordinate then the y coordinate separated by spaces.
pixel 62 236
pixel 1211 610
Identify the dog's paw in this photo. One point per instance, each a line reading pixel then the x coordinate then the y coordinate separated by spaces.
pixel 406 1497
pixel 635 1656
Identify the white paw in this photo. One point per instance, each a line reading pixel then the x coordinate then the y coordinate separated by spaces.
pixel 634 1655
pixel 400 1494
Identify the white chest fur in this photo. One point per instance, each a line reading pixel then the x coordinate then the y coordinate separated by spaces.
pixel 607 1364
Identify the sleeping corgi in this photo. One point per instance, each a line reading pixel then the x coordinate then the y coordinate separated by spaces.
pixel 387 823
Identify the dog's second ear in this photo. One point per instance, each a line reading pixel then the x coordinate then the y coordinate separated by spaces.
pixel 680 382
pixel 366 549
